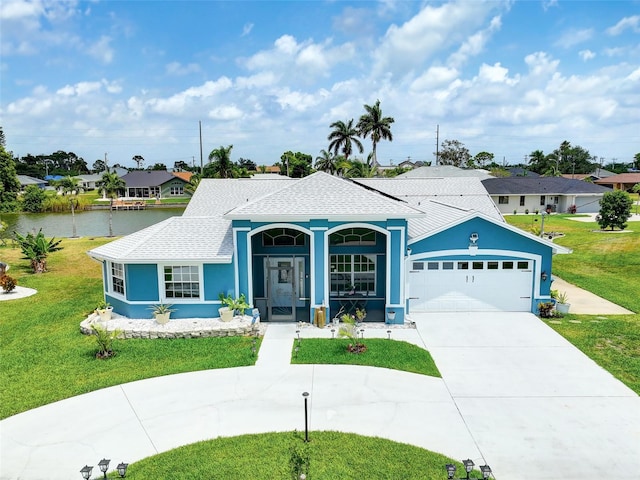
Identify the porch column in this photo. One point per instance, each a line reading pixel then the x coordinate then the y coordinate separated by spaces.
pixel 319 268
pixel 242 258
pixel 396 250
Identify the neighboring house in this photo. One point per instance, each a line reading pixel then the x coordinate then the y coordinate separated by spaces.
pixel 521 172
pixel 154 184
pixel 89 181
pixel 26 180
pixel 555 194
pixel 622 181
pixel 186 176
pixel 597 174
pixel 293 246
pixel 445 171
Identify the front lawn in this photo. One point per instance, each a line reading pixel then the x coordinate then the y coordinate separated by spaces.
pixel 380 353
pixel 332 455
pixel 44 356
pixel 607 264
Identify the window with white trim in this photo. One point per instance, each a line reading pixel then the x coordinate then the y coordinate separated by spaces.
pixel 117 278
pixel 177 191
pixel 355 273
pixel 503 200
pixel 182 281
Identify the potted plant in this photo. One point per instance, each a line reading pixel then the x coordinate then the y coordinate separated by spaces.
pixel 562 304
pixel 161 312
pixel 232 306
pixel 391 315
pixel 104 310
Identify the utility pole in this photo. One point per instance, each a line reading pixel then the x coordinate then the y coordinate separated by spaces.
pixel 437 144
pixel 201 164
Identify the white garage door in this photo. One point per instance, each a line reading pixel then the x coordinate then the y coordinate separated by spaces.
pixel 470 285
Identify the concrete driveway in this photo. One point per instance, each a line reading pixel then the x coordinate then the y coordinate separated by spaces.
pixel 536 406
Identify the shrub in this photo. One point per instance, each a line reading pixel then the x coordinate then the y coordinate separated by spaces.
pixel 33 199
pixel 615 210
pixel 8 283
pixel 36 248
pixel 105 340
pixel 545 309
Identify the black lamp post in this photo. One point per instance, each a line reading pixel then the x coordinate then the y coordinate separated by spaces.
pixel 104 466
pixel 468 467
pixel 122 469
pixel 86 472
pixel 306 417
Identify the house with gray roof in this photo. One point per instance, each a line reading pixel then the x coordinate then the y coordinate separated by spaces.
pixel 26 180
pixel 552 194
pixel 322 243
pixel 154 184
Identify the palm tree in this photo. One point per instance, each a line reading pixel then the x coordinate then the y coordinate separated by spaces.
pixel 110 185
pixel 360 169
pixel 374 124
pixel 69 187
pixel 36 249
pixel 221 163
pixel 193 184
pixel 344 136
pixel 327 162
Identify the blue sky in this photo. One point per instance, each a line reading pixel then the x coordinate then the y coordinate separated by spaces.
pixel 135 77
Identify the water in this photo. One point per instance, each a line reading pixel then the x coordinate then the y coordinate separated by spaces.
pixel 92 223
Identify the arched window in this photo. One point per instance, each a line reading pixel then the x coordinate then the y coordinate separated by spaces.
pixel 283 237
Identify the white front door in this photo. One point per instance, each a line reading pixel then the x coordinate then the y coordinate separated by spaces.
pixel 470 285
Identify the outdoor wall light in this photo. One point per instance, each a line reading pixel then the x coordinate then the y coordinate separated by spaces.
pixel 544 276
pixel 473 238
pixel 468 467
pixel 408 251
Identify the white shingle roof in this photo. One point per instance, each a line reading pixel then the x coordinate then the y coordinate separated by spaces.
pixel 176 238
pixel 324 196
pixel 445 171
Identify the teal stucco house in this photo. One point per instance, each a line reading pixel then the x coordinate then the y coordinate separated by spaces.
pixel 291 246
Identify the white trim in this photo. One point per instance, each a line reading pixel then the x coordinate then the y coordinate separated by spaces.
pixel 370 226
pixel 161 287
pixel 292 226
pixel 109 290
pixel 403 256
pixel 236 267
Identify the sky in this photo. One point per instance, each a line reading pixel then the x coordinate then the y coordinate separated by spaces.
pixel 118 78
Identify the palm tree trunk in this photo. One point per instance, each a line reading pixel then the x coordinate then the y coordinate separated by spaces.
pixel 73 218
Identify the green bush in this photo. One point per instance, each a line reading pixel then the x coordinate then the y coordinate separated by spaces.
pixel 33 199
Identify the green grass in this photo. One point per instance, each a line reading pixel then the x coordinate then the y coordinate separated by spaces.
pixel 44 356
pixel 607 264
pixel 333 456
pixel 392 354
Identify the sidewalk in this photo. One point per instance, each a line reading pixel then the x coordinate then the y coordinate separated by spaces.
pixel 585 302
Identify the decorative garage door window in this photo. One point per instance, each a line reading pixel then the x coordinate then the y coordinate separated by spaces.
pixel 475 265
pixel 117 278
pixel 353 273
pixel 182 282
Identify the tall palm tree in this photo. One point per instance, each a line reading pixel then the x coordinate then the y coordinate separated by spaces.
pixel 70 187
pixel 222 165
pixel 110 185
pixel 327 162
pixel 193 184
pixel 360 169
pixel 374 124
pixel 343 137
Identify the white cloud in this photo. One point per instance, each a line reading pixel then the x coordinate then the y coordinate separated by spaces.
pixel 101 50
pixel 79 89
pixel 541 64
pixel 434 77
pixel 627 22
pixel 587 54
pixel 496 74
pixel 19 9
pixel 474 45
pixel 176 68
pixel 432 30
pixel 177 104
pixel 227 112
pixel 246 30
pixel 574 37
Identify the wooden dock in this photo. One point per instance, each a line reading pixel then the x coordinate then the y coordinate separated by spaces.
pixel 128 205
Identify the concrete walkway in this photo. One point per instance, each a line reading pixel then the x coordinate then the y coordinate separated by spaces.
pixel 514 394
pixel 584 302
